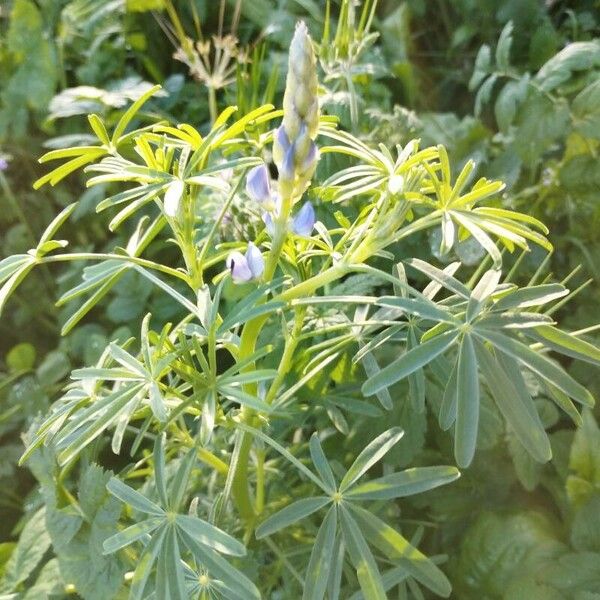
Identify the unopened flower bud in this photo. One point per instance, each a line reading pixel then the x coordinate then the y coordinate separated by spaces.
pixel 293 144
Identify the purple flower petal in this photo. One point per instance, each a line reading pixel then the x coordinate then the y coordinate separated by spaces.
pixel 255 261
pixel 238 265
pixel 311 157
pixel 282 138
pixel 304 221
pixel 268 221
pixel 287 167
pixel 258 185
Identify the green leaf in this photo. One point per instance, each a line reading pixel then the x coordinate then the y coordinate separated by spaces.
pixel 447 414
pixel 219 568
pixel 442 277
pixel 173 566
pixel 321 558
pixel 516 405
pixel 405 483
pixel 271 442
pixel 417 306
pixel 577 56
pixel 29 551
pixel 367 572
pixel 290 514
pixel 398 549
pixel 503 48
pixel 320 461
pixel 133 498
pixel 159 469
pixel 584 461
pixel 131 534
pixel 586 111
pixel 481 292
pixel 481 68
pixel 467 403
pixel 130 113
pixel 536 295
pixel 540 365
pixel 180 481
pixel 565 343
pixel 210 536
pixel 78 535
pixel 373 453
pixel 146 562
pixel 412 360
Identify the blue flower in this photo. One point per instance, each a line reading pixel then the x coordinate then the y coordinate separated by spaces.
pixel 246 267
pixel 304 221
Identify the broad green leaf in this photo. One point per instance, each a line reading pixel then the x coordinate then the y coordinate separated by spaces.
pixel 367 572
pixel 405 483
pixel 397 548
pixel 412 360
pixel 133 498
pixel 320 461
pixel 540 365
pixel 512 402
pixel 321 558
pixel 33 543
pixel 467 404
pixel 290 514
pixel 211 536
pixel 374 452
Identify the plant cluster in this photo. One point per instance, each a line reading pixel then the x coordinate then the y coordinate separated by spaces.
pixel 329 347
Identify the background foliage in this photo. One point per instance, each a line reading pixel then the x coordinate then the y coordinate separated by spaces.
pixel 515 89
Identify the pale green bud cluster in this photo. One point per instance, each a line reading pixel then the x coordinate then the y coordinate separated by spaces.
pixel 294 149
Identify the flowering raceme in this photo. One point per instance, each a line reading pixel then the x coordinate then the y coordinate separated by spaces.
pixel 295 154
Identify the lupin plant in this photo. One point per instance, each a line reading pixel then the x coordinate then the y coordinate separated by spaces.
pixel 225 412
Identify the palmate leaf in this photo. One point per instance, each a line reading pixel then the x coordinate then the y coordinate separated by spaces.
pixel 500 315
pixel 342 516
pixel 172 534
